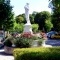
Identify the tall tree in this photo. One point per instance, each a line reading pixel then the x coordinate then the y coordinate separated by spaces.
pixel 31 18
pixel 55 6
pixel 6 15
pixel 34 13
pixel 40 19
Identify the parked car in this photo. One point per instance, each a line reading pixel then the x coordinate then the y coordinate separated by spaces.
pixel 51 33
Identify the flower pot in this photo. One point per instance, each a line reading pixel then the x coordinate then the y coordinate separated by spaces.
pixel 34 43
pixel 8 50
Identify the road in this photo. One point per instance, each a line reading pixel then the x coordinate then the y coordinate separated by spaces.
pixel 53 42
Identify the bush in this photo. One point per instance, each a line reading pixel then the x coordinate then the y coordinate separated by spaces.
pixel 34 38
pixel 37 54
pixel 8 42
pixel 18 28
pixel 48 25
pixel 40 40
pixel 35 28
pixel 22 42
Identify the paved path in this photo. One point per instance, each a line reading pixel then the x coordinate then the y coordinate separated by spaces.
pixel 4 56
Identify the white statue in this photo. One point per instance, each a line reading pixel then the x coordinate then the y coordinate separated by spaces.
pixel 27 12
pixel 27 26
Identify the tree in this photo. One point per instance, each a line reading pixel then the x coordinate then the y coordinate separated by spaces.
pixel 18 28
pixel 34 13
pixel 40 19
pixel 19 19
pixel 56 14
pixel 31 18
pixel 6 15
pixel 48 25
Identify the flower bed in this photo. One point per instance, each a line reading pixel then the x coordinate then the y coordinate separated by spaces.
pixel 26 34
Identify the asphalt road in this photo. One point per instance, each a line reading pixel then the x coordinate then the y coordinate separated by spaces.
pixel 53 42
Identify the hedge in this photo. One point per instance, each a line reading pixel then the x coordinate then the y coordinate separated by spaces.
pixel 37 53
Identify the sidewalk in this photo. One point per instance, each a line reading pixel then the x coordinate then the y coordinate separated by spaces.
pixel 4 56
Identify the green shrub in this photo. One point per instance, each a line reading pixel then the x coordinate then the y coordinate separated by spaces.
pixel 22 42
pixel 35 28
pixel 34 38
pixel 37 54
pixel 40 40
pixel 48 25
pixel 18 28
pixel 8 42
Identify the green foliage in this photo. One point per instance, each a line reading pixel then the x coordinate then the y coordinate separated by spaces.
pixel 40 41
pixel 34 13
pixel 31 18
pixel 55 23
pixel 18 27
pixel 19 19
pixel 25 42
pixel 6 15
pixel 2 1
pixel 37 54
pixel 8 42
pixel 34 38
pixel 41 17
pixel 22 42
pixel 48 25
pixel 56 14
pixel 35 28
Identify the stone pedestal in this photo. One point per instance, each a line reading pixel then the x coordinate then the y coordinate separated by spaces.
pixel 8 50
pixel 35 43
pixel 28 28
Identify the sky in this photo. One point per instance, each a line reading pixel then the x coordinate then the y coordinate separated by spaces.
pixel 34 5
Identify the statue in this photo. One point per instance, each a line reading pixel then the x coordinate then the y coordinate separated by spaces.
pixel 27 26
pixel 27 12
